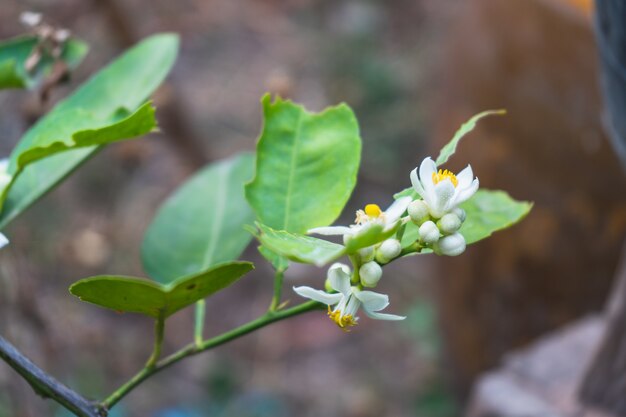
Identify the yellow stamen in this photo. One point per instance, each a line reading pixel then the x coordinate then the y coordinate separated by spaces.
pixel 442 175
pixel 342 321
pixel 372 210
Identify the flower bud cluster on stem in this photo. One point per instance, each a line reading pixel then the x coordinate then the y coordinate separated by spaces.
pixel 436 214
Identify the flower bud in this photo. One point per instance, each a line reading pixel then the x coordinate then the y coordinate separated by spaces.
pixel 367 254
pixel 452 245
pixel 449 223
pixel 429 232
pixel 388 250
pixel 418 211
pixel 333 270
pixel 329 288
pixel 460 213
pixel 370 274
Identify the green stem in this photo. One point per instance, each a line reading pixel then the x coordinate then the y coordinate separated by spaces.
pixel 159 331
pixel 193 349
pixel 356 264
pixel 278 288
pixel 199 323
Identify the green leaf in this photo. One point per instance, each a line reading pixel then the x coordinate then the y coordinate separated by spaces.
pixel 407 192
pixel 448 150
pixel 489 211
pixel 56 139
pixel 306 165
pixel 369 236
pixel 410 235
pixel 115 92
pixel 14 53
pixel 136 295
pixel 201 224
pixel 299 248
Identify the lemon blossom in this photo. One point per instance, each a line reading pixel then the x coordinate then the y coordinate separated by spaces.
pixel 348 299
pixel 372 214
pixel 5 180
pixel 441 190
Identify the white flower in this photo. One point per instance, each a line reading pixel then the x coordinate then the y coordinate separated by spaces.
pixel 348 299
pixel 370 216
pixel 3 240
pixel 442 190
pixel 5 178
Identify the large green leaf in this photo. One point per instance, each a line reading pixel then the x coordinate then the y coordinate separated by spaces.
pixel 111 95
pixel 136 295
pixel 306 165
pixel 448 150
pixel 56 138
pixel 14 53
pixel 297 247
pixel 201 224
pixel 489 211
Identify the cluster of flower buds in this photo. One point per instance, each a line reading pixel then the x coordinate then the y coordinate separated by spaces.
pixel 437 213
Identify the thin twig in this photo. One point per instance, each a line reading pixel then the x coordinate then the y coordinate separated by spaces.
pixel 193 349
pixel 45 385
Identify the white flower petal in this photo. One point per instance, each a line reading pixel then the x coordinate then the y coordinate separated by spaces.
pixel 444 191
pixel 4 165
pixel 427 169
pixel 465 178
pixel 372 301
pixel 339 278
pixel 417 185
pixel 318 295
pixel 397 209
pixel 3 240
pixel 330 230
pixel 465 194
pixel 383 316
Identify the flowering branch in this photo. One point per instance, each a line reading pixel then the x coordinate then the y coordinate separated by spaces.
pixel 193 348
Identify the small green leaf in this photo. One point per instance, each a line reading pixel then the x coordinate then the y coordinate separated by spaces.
pixel 14 53
pixel 187 290
pixel 122 294
pixel 448 150
pixel 407 192
pixel 489 211
pixel 299 248
pixel 136 295
pixel 123 85
pixel 410 235
pixel 306 165
pixel 201 224
pixel 369 236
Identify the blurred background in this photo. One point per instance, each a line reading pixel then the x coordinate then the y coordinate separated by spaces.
pixel 412 70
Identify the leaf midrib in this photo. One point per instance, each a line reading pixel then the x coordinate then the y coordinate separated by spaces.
pixel 294 155
pixel 219 213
